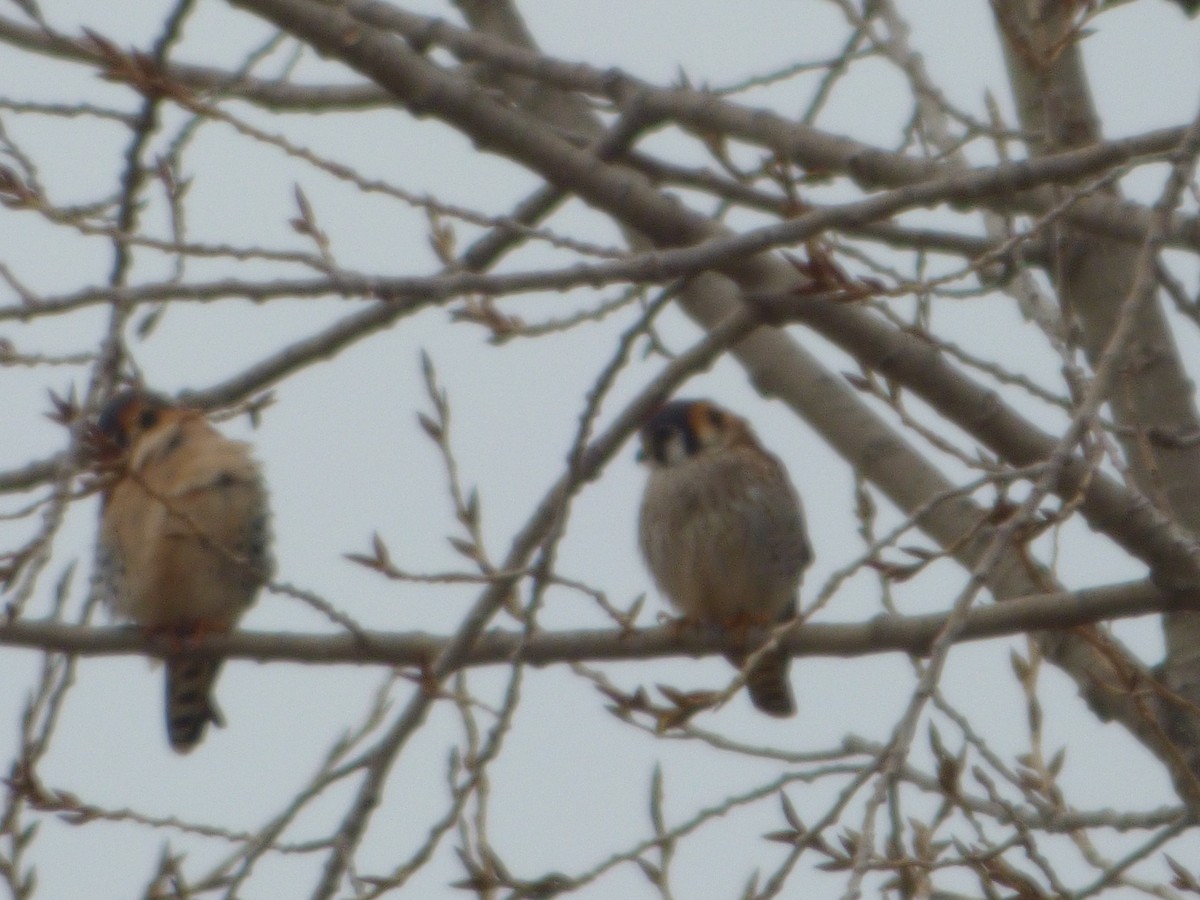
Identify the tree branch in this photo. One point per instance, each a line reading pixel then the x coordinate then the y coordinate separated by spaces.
pixel 883 634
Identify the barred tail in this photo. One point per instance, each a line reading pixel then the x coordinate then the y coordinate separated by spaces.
pixel 769 686
pixel 189 703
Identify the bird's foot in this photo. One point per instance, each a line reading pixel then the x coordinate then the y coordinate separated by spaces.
pixel 184 636
pixel 681 625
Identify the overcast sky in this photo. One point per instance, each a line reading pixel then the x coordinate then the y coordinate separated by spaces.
pixel 345 458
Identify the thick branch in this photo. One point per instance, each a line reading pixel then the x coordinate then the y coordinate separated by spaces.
pixel 883 634
pixel 1097 282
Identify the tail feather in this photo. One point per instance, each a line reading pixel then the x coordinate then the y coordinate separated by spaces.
pixel 768 684
pixel 189 702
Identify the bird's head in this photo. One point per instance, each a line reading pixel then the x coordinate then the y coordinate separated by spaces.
pixel 132 413
pixel 684 429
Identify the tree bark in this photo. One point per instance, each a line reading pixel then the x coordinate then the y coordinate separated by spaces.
pixel 1094 277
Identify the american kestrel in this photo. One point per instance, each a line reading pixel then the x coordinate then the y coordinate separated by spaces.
pixel 722 531
pixel 183 543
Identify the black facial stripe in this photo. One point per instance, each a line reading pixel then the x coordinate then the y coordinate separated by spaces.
pixel 671 419
pixel 174 444
pixel 110 417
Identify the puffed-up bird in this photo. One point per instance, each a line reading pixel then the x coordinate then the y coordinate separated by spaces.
pixel 722 532
pixel 183 542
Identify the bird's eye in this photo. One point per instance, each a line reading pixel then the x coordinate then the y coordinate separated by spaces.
pixel 716 417
pixel 147 418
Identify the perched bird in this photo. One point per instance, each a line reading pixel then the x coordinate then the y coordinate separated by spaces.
pixel 183 542
pixel 722 531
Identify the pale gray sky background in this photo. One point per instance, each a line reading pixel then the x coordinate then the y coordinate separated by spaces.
pixel 345 457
